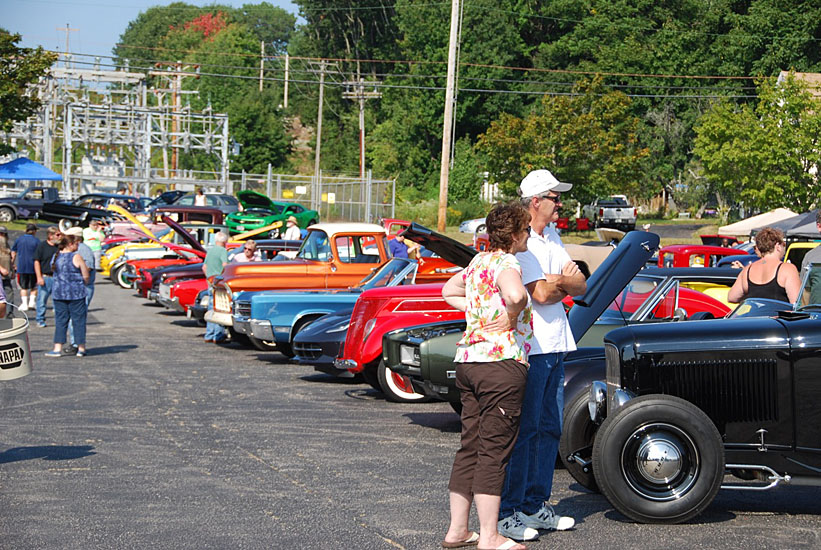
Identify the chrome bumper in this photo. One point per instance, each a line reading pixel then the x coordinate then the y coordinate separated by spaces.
pixel 224 319
pixel 261 329
pixel 172 303
pixel 345 364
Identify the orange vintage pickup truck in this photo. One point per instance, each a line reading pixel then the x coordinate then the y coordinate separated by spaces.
pixel 333 255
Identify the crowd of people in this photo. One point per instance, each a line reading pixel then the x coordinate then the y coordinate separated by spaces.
pixel 61 267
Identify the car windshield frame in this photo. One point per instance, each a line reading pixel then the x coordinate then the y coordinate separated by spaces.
pixel 313 249
pixel 398 268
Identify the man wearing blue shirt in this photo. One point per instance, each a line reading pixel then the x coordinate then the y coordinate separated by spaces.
pixel 23 253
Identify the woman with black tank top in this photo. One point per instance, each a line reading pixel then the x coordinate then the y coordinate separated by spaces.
pixel 768 277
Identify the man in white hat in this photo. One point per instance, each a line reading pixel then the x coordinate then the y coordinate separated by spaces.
pixel 292 232
pixel 549 275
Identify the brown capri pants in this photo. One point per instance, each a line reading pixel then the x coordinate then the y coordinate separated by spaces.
pixel 492 396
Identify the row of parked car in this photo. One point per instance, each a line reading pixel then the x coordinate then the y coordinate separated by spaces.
pixel 670 389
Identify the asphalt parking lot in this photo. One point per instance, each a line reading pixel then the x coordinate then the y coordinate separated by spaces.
pixel 157 439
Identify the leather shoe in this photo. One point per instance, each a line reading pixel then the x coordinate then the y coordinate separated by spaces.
pixel 221 341
pixel 207 341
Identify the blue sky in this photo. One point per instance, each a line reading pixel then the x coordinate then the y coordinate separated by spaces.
pixel 99 22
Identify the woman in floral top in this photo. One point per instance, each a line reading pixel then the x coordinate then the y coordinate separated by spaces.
pixel 491 373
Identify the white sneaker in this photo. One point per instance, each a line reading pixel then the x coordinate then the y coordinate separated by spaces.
pixel 512 527
pixel 23 307
pixel 546 518
pixel 32 301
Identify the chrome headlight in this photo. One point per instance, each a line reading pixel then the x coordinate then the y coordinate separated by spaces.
pixel 340 328
pixel 368 328
pixel 409 355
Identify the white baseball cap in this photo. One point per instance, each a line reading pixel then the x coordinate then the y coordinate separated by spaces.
pixel 541 181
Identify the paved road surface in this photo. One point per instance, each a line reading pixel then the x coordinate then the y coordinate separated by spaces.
pixel 158 440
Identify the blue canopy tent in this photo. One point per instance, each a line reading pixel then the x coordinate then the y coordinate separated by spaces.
pixel 25 169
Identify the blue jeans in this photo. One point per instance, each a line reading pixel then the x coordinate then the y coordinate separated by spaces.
pixel 43 292
pixel 529 478
pixel 74 310
pixel 89 296
pixel 213 331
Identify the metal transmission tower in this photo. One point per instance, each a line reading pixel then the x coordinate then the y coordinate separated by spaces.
pixel 76 113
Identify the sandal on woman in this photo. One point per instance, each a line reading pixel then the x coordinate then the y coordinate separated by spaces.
pixel 472 540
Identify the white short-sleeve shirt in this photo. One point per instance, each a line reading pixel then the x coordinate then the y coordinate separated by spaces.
pixel 546 255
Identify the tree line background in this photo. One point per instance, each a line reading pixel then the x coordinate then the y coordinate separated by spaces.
pixel 618 96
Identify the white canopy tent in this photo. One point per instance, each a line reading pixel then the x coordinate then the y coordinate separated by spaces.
pixel 747 226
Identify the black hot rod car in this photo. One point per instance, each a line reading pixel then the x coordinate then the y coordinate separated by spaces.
pixel 683 404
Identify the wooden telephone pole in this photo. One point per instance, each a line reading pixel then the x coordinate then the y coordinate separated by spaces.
pixel 447 130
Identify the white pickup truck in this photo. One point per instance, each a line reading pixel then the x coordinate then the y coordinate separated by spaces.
pixel 613 211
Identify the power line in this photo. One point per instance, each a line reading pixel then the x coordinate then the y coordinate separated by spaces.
pixel 400 76
pixel 434 88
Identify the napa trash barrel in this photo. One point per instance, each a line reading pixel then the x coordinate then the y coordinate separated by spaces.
pixel 15 355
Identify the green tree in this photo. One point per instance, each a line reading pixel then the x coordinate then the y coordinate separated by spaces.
pixel 588 139
pixel 256 123
pixel 765 155
pixel 18 68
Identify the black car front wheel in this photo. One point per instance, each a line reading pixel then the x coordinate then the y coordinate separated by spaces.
pixel 578 433
pixel 659 459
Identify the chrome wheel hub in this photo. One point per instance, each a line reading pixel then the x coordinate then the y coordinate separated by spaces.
pixel 658 460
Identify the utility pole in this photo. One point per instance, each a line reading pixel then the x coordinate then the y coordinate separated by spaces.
pixel 356 90
pixel 66 30
pixel 319 127
pixel 448 122
pixel 261 62
pixel 287 70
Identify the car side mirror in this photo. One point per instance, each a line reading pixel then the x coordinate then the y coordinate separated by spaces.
pixel 679 314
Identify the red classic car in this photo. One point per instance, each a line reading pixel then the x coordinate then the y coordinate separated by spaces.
pixel 694 255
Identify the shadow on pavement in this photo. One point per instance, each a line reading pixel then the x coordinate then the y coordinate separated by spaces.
pixel 444 422
pixel 106 350
pixel 46 452
pixel 330 379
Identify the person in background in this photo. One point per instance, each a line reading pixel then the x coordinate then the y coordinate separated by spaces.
pixel 249 253
pixel 814 257
pixel 22 253
pixel 491 373
pixel 398 247
pixel 71 275
pixel 6 271
pixel 549 275
pixel 215 260
pixel 93 237
pixel 87 255
pixel 292 232
pixel 781 279
pixel 42 268
pixel 199 198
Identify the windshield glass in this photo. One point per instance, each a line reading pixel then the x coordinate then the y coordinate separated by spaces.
pixel 634 295
pixel 389 271
pixel 316 246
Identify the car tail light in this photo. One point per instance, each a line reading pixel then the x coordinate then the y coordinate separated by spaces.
pixel 601 212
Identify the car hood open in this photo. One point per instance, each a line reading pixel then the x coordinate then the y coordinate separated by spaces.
pixel 610 278
pixel 252 199
pixel 186 236
pixel 444 247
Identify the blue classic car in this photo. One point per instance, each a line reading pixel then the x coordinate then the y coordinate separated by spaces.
pixel 273 317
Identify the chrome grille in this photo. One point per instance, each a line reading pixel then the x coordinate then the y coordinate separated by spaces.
pixel 242 309
pixel 308 350
pixel 222 300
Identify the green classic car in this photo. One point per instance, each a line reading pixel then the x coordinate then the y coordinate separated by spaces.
pixel 259 211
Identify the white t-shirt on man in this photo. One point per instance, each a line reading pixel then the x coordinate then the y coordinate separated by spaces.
pixel 551 329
